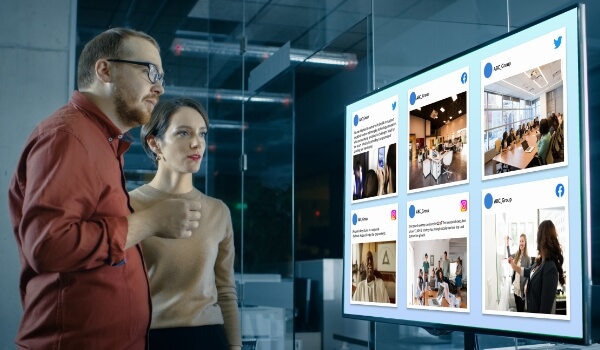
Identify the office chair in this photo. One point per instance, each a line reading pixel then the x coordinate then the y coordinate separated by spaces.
pixel 249 344
pixel 447 160
pixel 500 167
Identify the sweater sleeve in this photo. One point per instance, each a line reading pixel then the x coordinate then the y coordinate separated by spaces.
pixel 225 281
pixel 549 284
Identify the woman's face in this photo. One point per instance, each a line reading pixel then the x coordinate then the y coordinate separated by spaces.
pixel 184 142
pixel 522 243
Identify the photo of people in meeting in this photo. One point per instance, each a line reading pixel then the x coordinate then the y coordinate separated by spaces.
pixel 437 274
pixel 523 121
pixel 437 143
pixel 374 172
pixel 526 262
pixel 374 273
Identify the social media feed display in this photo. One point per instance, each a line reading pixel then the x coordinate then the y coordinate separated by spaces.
pixel 523 126
pixel 374 237
pixel 437 229
pixel 374 139
pixel 437 132
pixel 520 228
pixel 487 232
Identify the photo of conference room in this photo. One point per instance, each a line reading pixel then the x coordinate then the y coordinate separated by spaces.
pixel 437 152
pixel 374 172
pixel 437 273
pixel 503 289
pixel 374 272
pixel 523 121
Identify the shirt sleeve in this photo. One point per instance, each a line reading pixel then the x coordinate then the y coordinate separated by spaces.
pixel 225 281
pixel 59 230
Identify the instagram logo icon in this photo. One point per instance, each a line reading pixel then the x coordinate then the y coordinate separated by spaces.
pixel 463 205
pixel 393 214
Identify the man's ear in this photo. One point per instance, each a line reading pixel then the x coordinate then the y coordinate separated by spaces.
pixel 102 69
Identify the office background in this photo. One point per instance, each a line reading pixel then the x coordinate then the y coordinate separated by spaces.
pixel 283 121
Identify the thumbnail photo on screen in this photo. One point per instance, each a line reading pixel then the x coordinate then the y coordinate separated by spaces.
pixel 374 172
pixel 437 253
pixel 374 273
pixel 523 120
pixel 526 254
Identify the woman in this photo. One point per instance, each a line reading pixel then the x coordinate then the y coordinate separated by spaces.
pixel 518 280
pixel 546 273
pixel 192 284
pixel 543 144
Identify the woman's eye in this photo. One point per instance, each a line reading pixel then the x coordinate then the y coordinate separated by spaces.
pixel 182 133
pixel 203 134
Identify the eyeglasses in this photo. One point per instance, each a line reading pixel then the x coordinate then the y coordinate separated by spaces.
pixel 153 74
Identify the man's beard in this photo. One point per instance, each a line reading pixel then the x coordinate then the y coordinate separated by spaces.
pixel 129 116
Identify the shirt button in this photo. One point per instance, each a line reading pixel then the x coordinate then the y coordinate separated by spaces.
pixel 110 139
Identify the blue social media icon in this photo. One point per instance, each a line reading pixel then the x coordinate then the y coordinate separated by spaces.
pixel 487 70
pixel 413 98
pixel 488 200
pixel 412 211
pixel 557 42
pixel 394 105
pixel 355 119
pixel 560 190
pixel 463 78
pixel 354 219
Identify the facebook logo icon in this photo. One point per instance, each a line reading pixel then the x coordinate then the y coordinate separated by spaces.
pixel 560 190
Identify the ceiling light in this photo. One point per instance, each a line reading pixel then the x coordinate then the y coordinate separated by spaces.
pixel 227 95
pixel 454 97
pixel 450 117
pixel 442 109
pixel 182 46
pixel 459 112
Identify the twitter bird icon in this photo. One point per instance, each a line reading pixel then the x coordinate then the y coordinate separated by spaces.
pixel 557 42
pixel 394 105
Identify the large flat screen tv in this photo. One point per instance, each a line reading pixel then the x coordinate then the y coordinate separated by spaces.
pixel 466 201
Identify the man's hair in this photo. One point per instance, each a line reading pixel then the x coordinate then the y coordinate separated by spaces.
pixel 108 44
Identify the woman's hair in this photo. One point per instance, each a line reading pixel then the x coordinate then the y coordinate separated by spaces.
pixel 391 163
pixel 371 184
pixel 161 119
pixel 109 44
pixel 548 245
pixel 544 126
pixel 504 136
pixel 440 272
pixel 518 253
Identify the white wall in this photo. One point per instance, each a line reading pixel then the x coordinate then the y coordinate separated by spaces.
pixel 37 55
pixel 418 127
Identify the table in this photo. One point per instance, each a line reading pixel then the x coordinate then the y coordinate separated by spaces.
pixel 517 157
pixel 436 165
pixel 433 294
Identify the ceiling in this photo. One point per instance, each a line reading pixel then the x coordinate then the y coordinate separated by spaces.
pixel 446 110
pixel 407 36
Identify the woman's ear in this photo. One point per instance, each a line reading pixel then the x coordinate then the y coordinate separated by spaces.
pixel 152 142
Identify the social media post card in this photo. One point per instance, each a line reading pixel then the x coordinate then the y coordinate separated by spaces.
pixel 523 101
pixel 520 225
pixel 374 248
pixel 437 132
pixel 374 139
pixel 437 253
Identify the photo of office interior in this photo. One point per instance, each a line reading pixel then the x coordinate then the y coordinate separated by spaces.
pixel 374 272
pixel 275 147
pixel 515 234
pixel 437 273
pixel 524 121
pixel 437 143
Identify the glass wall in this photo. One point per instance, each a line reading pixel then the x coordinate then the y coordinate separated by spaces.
pixel 503 113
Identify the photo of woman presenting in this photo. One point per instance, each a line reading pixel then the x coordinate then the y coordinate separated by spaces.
pixel 518 280
pixel 194 300
pixel 546 273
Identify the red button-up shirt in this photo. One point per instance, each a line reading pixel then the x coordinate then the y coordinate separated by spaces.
pixel 80 288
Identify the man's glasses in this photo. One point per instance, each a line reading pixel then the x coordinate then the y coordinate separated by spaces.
pixel 153 74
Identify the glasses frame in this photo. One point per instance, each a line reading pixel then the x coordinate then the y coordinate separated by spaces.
pixel 150 66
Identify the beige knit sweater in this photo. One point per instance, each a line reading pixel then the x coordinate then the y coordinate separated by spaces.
pixel 191 279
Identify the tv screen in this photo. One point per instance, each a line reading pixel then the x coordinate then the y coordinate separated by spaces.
pixel 486 199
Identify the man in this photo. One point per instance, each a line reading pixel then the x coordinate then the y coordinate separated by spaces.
pixel 371 289
pixel 426 264
pixel 446 265
pixel 358 185
pixel 83 283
